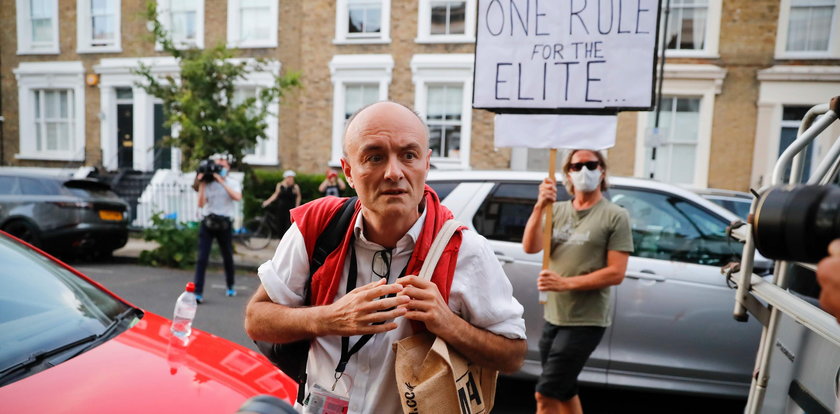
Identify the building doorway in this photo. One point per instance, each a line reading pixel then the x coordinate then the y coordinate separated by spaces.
pixel 163 152
pixel 125 128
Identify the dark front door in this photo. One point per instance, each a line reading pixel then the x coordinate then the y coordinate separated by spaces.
pixel 125 136
pixel 163 153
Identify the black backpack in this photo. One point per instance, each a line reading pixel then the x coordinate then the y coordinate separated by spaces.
pixel 291 357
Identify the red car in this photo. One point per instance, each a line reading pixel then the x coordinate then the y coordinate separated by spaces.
pixel 68 345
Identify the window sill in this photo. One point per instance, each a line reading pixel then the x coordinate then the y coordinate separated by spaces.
pixel 259 161
pixel 253 45
pixel 102 49
pixel 443 39
pixel 39 52
pixel 48 157
pixel 806 56
pixel 361 41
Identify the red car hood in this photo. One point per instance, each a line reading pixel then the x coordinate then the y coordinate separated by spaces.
pixel 146 370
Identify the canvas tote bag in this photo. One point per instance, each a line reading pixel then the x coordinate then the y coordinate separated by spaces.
pixel 433 377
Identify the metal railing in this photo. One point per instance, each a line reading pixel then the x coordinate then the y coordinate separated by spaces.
pixel 752 290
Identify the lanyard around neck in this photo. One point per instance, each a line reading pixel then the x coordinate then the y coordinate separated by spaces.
pixel 346 351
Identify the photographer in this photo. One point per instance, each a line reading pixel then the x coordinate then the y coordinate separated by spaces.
pixel 216 194
pixel 828 274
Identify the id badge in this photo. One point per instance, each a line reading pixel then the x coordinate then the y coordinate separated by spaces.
pixel 322 401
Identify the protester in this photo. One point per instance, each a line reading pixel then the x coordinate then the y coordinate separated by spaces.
pixel 286 197
pixel 386 160
pixel 590 245
pixel 216 198
pixel 332 185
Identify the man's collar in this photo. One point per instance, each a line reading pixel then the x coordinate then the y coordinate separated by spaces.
pixel 406 242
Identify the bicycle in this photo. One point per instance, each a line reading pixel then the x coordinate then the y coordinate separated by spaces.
pixel 258 232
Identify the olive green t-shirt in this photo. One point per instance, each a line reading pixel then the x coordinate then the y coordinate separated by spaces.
pixel 579 244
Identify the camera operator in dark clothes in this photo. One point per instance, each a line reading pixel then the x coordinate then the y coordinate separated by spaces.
pixel 217 192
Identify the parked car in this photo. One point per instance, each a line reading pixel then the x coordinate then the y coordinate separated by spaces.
pixel 61 214
pixel 737 202
pixel 71 346
pixel 672 315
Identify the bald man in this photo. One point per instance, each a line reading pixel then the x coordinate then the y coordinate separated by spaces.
pixel 469 301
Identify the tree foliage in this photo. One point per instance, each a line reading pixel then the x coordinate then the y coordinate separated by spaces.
pixel 200 100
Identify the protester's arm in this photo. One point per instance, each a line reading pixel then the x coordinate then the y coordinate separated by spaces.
pixel 297 195
pixel 828 275
pixel 610 275
pixel 323 186
pixel 532 239
pixel 341 185
pixel 353 314
pixel 273 196
pixel 480 346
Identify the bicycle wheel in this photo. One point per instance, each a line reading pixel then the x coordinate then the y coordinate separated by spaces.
pixel 256 234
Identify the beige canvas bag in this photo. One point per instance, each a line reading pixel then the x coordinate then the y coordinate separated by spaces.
pixel 432 377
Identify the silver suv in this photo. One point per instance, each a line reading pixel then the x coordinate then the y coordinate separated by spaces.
pixel 62 215
pixel 672 323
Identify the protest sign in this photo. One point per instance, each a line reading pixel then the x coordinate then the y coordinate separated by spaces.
pixel 584 56
pixel 595 132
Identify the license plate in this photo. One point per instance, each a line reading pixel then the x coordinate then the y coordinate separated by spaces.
pixel 110 215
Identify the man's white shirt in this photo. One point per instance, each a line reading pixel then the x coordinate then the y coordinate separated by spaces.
pixel 481 294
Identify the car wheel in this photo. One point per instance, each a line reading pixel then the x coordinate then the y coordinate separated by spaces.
pixel 24 231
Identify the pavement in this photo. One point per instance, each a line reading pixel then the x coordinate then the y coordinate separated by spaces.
pixel 243 258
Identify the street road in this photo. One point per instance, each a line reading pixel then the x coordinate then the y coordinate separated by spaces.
pixel 155 290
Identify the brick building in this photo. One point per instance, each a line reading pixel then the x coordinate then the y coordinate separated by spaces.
pixel 738 75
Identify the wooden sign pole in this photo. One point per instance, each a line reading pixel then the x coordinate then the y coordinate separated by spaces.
pixel 549 220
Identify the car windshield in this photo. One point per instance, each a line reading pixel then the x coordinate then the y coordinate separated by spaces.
pixel 47 313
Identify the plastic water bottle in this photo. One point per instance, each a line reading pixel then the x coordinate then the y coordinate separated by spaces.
pixel 185 308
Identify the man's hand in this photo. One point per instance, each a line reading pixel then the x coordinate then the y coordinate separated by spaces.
pixel 549 281
pixel 548 193
pixel 828 275
pixel 356 312
pixel 219 179
pixel 426 304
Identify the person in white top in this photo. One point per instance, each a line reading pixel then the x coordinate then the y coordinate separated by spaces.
pixel 387 158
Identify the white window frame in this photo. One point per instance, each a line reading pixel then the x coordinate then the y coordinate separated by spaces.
pixel 833 51
pixel 163 9
pixel 34 76
pixel 354 69
pixel 342 35
pixel 712 41
pixel 781 86
pixel 266 150
pixel 84 29
pixel 25 44
pixel 687 81
pixel 424 25
pixel 234 29
pixel 436 69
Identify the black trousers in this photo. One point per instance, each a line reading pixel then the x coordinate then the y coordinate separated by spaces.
pixel 205 242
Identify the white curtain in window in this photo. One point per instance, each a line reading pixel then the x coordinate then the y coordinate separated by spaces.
pixel 809 27
pixel 255 19
pixel 357 96
pixel 41 17
pixel 676 154
pixel 103 19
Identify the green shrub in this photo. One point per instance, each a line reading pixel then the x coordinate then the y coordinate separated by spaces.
pixel 176 243
pixel 260 185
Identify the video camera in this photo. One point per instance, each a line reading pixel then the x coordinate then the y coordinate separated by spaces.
pixel 208 167
pixel 797 222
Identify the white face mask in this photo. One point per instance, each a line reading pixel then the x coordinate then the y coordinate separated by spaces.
pixel 586 180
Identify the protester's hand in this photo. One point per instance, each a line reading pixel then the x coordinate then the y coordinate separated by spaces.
pixel 548 281
pixel 548 193
pixel 199 176
pixel 265 203
pixel 356 311
pixel 218 178
pixel 426 305
pixel 828 275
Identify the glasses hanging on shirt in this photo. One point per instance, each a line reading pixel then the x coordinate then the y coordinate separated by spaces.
pixel 381 264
